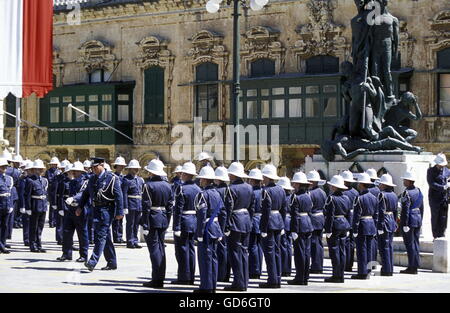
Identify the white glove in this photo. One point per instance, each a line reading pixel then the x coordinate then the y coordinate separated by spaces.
pixel 125 211
pixel 227 233
pixel 200 239
pixel 328 235
pixel 356 235
pixel 146 232
pixel 220 239
pixel 23 211
pixel 264 235
pixel 10 210
pixel 29 212
pixel 61 213
pixel 294 236
pixel 177 233
pixel 54 207
pixel 405 229
pixel 69 201
pixel 380 232
pixel 447 186
pixel 347 234
pixel 282 232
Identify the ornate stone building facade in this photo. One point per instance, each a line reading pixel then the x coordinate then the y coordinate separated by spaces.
pixel 170 60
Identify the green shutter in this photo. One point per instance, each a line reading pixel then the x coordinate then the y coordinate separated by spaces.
pixel 154 95
pixel 44 111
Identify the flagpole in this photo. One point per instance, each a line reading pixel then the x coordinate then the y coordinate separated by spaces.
pixel 2 123
pixel 17 150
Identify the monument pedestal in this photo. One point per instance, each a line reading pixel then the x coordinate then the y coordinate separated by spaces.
pixel 441 255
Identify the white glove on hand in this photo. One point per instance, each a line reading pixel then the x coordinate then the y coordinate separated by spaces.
pixel 54 207
pixel 282 232
pixel 69 201
pixel 264 235
pixel 220 239
pixel 29 212
pixel 10 210
pixel 23 211
pixel 146 232
pixel 177 233
pixel 380 232
pixel 61 213
pixel 405 229
pixel 294 236
pixel 347 234
pixel 328 235
pixel 227 233
pixel 125 211
pixel 356 235
pixel 200 239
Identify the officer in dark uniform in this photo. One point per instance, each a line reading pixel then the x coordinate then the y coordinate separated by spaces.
pixel 273 205
pixel 62 183
pixel 23 181
pixel 255 257
pixel 117 225
pixel 209 206
pixel 90 211
pixel 337 216
pixel 438 197
pixel 387 223
pixel 239 226
pixel 132 187
pixel 224 265
pixel 318 197
pixel 14 172
pixel 176 180
pixel 365 218
pixel 350 245
pixel 411 221
pixel 375 191
pixel 75 218
pixel 6 203
pixel 51 175
pixel 185 225
pixel 36 203
pixel 157 204
pixel 301 226
pixel 286 239
pixel 105 191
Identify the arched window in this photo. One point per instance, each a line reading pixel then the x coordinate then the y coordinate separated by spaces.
pixel 322 64
pixel 154 95
pixel 263 68
pixel 207 92
pixel 443 63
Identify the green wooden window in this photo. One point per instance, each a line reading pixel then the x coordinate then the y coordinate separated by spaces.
pixel 153 95
pixel 10 106
pixel 263 67
pixel 207 94
pixel 322 64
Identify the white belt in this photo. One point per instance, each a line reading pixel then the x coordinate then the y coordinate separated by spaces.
pixel 302 214
pixel 39 197
pixel 415 209
pixel 288 214
pixel 216 219
pixel 158 208
pixel 189 212
pixel 257 214
pixel 135 197
pixel 240 211
pixel 389 213
pixel 317 214
pixel 366 217
pixel 338 216
pixel 5 195
pixel 274 212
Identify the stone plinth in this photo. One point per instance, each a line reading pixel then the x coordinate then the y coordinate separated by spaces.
pixel 441 256
pixel 395 163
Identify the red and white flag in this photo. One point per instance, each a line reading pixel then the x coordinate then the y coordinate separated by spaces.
pixel 26 53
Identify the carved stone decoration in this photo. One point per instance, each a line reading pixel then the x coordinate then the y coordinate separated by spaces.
pixel 154 52
pixel 407 44
pixel 95 55
pixel 321 36
pixel 207 46
pixel 58 68
pixel 440 36
pixel 262 42
pixel 151 135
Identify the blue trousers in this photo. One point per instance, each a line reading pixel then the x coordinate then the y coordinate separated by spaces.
pixel 157 251
pixel 10 225
pixel 37 222
pixel 52 216
pixel 59 228
pixel 4 224
pixel 224 266
pixel 302 256
pixel 90 223
pixel 117 230
pixel 411 240
pixel 375 248
pixel 272 255
pixel 102 237
pixel 255 254
pixel 386 251
pixel 132 227
pixel 286 253
pixel 207 263
pixel 74 223
pixel 439 216
pixel 317 250
pixel 364 253
pixel 26 228
pixel 185 255
pixel 336 247
pixel 238 253
pixel 349 252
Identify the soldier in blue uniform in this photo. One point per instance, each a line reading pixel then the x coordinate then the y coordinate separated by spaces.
pixel 36 204
pixel 286 240
pixel 104 189
pixel 350 245
pixel 90 212
pixel 23 180
pixel 117 225
pixel 376 192
pixel 224 265
pixel 273 206
pixel 337 216
pixel 365 218
pixel 239 225
pixel 387 223
pixel 438 181
pixel 411 221
pixel 15 171
pixel 62 185
pixel 176 180
pixel 157 205
pixel 6 203
pixel 75 218
pixel 300 206
pixel 185 225
pixel 209 206
pixel 318 197
pixel 132 187
pixel 51 175
pixel 255 257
